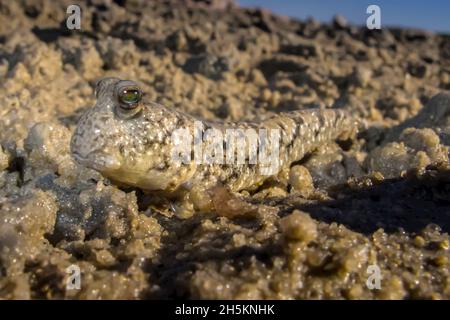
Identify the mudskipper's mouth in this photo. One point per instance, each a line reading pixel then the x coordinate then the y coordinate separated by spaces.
pixel 97 161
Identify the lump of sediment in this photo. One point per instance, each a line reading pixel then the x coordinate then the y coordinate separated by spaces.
pixel 34 82
pixel 303 48
pixel 32 65
pixel 120 285
pixel 104 212
pixel 83 56
pixel 4 159
pixel 208 65
pixel 299 226
pixel 301 181
pixel 24 222
pixel 88 212
pixel 417 149
pixel 232 109
pixel 326 166
pixel 393 159
pixel 47 145
pixel 10 183
pixel 47 153
pixel 361 76
pixel 228 205
pixel 117 54
pixel 34 62
pixel 425 140
pixel 435 114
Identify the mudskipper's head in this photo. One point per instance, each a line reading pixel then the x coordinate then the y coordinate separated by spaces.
pixel 111 136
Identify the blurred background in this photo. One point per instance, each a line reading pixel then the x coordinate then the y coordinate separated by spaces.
pixel 432 15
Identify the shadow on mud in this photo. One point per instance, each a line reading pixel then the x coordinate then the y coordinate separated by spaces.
pixel 408 204
pixel 172 274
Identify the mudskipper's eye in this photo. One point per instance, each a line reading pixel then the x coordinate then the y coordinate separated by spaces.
pixel 129 97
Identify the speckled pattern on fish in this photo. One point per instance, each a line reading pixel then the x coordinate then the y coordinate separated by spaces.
pixel 134 146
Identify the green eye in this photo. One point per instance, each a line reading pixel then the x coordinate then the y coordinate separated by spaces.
pixel 129 97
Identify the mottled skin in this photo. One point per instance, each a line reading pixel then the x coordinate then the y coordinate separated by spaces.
pixel 134 147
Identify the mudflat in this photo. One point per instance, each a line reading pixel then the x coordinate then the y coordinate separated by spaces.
pixel 366 217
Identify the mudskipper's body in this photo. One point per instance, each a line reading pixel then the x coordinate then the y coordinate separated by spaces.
pixel 130 140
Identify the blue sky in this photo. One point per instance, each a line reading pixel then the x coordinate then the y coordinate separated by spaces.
pixel 432 15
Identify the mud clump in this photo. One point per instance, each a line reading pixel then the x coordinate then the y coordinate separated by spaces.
pixel 379 198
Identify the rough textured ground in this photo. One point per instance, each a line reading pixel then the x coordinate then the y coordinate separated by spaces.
pixel 381 199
